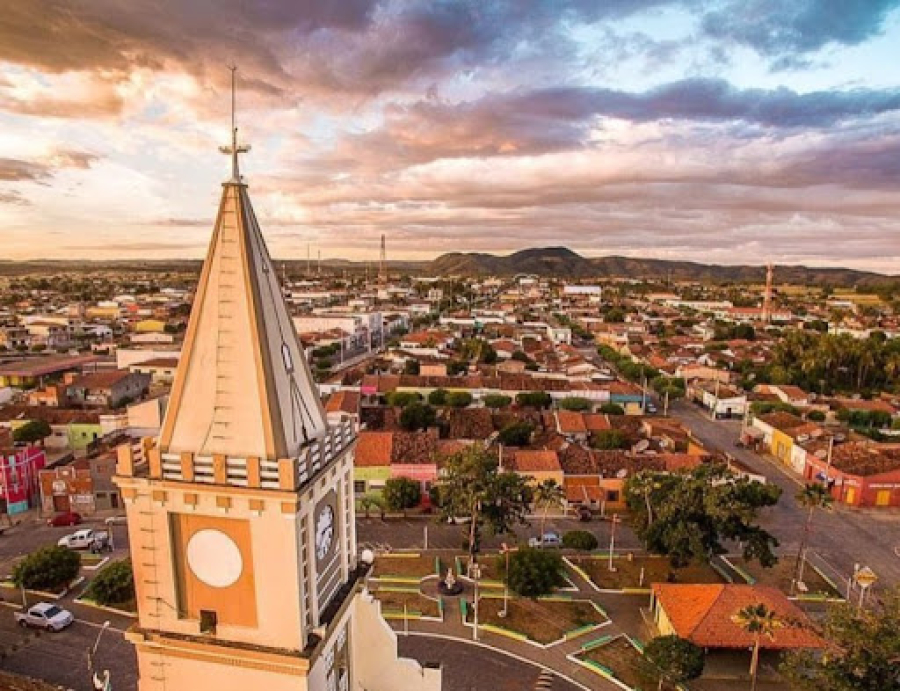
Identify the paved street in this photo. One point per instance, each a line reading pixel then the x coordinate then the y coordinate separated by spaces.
pixel 62 658
pixel 471 668
pixel 843 537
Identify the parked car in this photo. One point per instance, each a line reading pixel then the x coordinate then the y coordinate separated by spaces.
pixel 548 539
pixel 46 616
pixel 65 518
pixel 85 538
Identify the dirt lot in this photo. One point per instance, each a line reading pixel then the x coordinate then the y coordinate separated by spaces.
pixel 415 602
pixel 780 575
pixel 627 572
pixel 541 620
pixel 407 567
pixel 627 663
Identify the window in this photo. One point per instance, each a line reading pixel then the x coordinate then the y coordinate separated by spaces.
pixel 359 486
pixel 208 621
pixel 612 495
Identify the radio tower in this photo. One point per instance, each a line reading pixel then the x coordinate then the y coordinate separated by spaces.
pixel 382 267
pixel 767 297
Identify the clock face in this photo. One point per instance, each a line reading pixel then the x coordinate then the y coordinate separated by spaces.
pixel 324 532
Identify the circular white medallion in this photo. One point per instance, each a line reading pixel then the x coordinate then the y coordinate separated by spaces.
pixel 214 558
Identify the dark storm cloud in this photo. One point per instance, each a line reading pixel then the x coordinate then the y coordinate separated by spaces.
pixel 778 27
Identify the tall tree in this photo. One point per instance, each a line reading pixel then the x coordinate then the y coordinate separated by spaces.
pixel 813 496
pixel 688 516
pixel 472 487
pixel 546 494
pixel 760 621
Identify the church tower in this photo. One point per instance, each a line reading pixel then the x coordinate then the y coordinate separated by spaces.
pixel 241 515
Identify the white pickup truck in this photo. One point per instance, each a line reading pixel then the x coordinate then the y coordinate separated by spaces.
pixel 44 615
pixel 86 538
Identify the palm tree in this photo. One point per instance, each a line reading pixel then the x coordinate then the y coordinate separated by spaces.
pixel 546 494
pixel 760 621
pixel 813 496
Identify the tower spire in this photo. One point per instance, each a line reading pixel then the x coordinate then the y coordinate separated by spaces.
pixel 234 150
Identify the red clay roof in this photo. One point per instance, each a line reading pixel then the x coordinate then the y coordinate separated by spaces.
pixel 529 461
pixel 570 422
pixel 703 614
pixel 374 449
pixel 343 402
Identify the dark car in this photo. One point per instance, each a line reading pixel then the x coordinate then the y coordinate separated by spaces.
pixel 67 518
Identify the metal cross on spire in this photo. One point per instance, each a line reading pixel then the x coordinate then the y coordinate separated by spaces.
pixel 234 150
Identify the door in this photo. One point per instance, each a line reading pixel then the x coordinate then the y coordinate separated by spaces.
pixel 60 503
pixel 851 496
pixel 883 498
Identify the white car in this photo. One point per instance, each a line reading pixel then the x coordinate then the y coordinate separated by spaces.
pixel 44 615
pixel 549 539
pixel 83 539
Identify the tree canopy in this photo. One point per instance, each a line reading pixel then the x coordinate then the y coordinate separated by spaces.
pixel 473 487
pixel 32 431
pixel 864 654
pixel 688 516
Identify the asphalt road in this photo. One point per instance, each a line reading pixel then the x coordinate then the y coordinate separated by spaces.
pixel 842 537
pixel 471 668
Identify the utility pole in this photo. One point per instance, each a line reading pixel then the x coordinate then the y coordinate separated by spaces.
pixel 612 541
pixel 382 266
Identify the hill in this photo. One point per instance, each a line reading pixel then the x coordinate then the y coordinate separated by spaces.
pixel 563 262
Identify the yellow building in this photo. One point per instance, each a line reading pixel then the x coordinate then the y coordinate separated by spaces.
pixel 241 516
pixel 150 326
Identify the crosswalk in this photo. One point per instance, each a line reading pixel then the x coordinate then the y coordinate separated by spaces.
pixel 545 681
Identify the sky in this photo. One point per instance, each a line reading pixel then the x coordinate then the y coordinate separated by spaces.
pixel 722 131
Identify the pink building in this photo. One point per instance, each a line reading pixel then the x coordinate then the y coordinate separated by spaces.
pixel 19 483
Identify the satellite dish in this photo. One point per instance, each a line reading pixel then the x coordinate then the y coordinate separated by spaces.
pixel 642 445
pixel 821 453
pixel 367 556
pixel 623 473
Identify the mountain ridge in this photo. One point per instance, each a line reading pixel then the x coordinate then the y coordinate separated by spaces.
pixel 565 263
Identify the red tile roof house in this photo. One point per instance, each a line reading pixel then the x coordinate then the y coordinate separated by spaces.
pixel 703 614
pixel 861 474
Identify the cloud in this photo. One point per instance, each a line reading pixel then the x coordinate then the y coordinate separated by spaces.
pixel 19 170
pixel 12 197
pixel 778 28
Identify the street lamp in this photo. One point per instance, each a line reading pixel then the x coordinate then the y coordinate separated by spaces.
pixel 91 653
pixel 506 550
pixel 476 574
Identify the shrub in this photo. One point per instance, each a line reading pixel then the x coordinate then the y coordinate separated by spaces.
pixel 580 539
pixel 49 568
pixel 459 399
pixel 495 400
pixel 534 399
pixel 816 415
pixel 676 659
pixel 401 399
pixel 417 416
pixel 438 397
pixel 534 572
pixel 610 439
pixel 32 431
pixel 402 493
pixel 516 434
pixel 612 409
pixel 114 585
pixel 575 403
